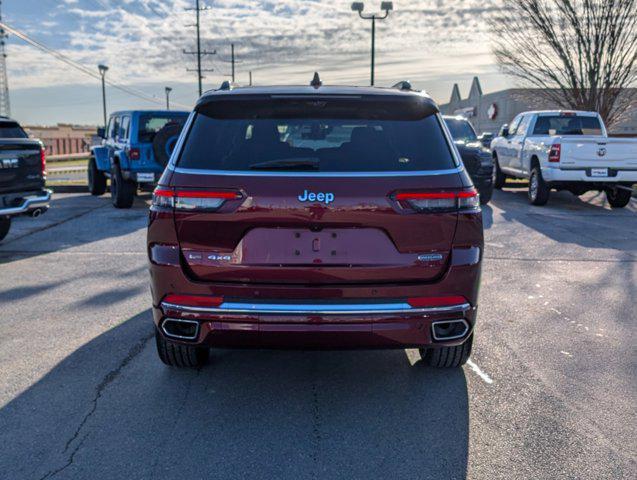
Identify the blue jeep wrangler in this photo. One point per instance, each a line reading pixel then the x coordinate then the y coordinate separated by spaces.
pixel 136 147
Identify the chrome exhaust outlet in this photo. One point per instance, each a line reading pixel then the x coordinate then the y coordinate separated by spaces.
pixel 181 329
pixel 449 329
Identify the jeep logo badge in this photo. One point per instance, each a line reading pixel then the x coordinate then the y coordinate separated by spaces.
pixel 323 197
pixel 601 152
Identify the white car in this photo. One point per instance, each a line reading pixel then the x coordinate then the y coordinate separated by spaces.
pixel 565 150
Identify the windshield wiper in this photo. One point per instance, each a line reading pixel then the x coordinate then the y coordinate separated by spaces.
pixel 288 164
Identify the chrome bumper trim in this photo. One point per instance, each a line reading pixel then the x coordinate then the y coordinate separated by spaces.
pixel 29 203
pixel 303 309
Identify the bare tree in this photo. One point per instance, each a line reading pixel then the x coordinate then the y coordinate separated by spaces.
pixel 581 53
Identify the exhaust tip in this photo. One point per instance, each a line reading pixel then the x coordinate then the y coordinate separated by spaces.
pixel 181 329
pixel 449 329
pixel 36 213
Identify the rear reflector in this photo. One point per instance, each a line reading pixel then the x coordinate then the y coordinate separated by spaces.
pixel 419 302
pixel 134 154
pixel 193 300
pixel 192 200
pixel 440 201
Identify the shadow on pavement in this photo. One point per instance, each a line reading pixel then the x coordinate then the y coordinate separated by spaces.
pixel 70 222
pixel 110 409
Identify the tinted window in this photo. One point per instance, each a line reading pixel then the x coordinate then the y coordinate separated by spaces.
pixel 113 127
pixel 319 144
pixel 461 130
pixel 11 130
pixel 567 125
pixel 150 124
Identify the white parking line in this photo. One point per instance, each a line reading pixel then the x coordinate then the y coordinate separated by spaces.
pixel 479 372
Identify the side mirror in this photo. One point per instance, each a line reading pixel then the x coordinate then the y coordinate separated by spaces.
pixel 101 132
pixel 504 131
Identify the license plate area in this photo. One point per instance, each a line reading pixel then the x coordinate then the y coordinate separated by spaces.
pixel 599 172
pixel 145 177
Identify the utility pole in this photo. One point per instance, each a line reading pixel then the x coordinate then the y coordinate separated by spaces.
pixel 232 50
pixel 168 90
pixel 103 69
pixel 5 107
pixel 387 7
pixel 199 52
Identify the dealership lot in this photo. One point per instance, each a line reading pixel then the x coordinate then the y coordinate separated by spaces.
pixel 550 392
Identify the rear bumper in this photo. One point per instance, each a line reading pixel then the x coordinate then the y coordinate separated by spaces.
pixel 291 330
pixel 324 317
pixel 16 204
pixel 584 175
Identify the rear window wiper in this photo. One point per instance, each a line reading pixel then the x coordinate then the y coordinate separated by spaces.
pixel 287 163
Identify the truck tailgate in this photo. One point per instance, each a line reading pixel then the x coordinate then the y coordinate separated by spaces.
pixel 20 165
pixel 594 152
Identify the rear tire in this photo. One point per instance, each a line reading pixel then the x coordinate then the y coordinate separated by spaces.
pixel 5 226
pixel 618 197
pixel 447 357
pixel 122 191
pixel 499 178
pixel 96 179
pixel 539 191
pixel 178 355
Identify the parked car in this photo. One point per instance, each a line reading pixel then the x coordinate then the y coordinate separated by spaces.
pixel 136 147
pixel 315 217
pixel 565 150
pixel 477 159
pixel 22 175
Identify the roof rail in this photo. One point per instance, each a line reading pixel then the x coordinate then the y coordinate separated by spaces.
pixel 402 85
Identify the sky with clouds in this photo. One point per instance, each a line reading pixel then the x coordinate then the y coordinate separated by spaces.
pixel 433 43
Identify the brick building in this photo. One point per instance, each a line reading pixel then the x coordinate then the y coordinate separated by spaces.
pixel 63 138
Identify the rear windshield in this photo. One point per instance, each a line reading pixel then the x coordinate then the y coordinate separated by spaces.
pixel 461 130
pixel 567 125
pixel 316 144
pixel 11 130
pixel 150 124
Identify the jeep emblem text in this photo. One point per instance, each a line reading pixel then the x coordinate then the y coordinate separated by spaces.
pixel 323 197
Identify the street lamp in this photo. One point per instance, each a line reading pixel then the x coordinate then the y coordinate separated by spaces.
pixel 168 90
pixel 386 7
pixel 103 69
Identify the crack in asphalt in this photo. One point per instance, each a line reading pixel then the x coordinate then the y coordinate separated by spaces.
pixel 99 390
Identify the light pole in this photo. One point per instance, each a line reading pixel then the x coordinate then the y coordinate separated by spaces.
pixel 168 90
pixel 386 7
pixel 103 69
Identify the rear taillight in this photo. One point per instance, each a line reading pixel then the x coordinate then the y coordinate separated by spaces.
pixel 43 161
pixel 193 300
pixel 555 152
pixel 134 154
pixel 192 200
pixel 439 201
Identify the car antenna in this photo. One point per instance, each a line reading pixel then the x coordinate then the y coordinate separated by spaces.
pixel 316 81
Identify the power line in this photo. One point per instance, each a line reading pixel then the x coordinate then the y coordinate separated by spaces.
pixel 69 61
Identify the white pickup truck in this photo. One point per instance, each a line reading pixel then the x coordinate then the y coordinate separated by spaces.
pixel 565 150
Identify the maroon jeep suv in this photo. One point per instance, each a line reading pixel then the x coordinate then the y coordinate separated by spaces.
pixel 315 217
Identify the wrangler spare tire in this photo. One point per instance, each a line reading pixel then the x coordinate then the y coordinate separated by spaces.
pixel 165 141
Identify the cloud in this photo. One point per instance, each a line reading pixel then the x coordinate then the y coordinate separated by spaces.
pixel 428 41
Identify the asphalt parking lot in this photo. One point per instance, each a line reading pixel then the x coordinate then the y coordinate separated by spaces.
pixel 551 391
